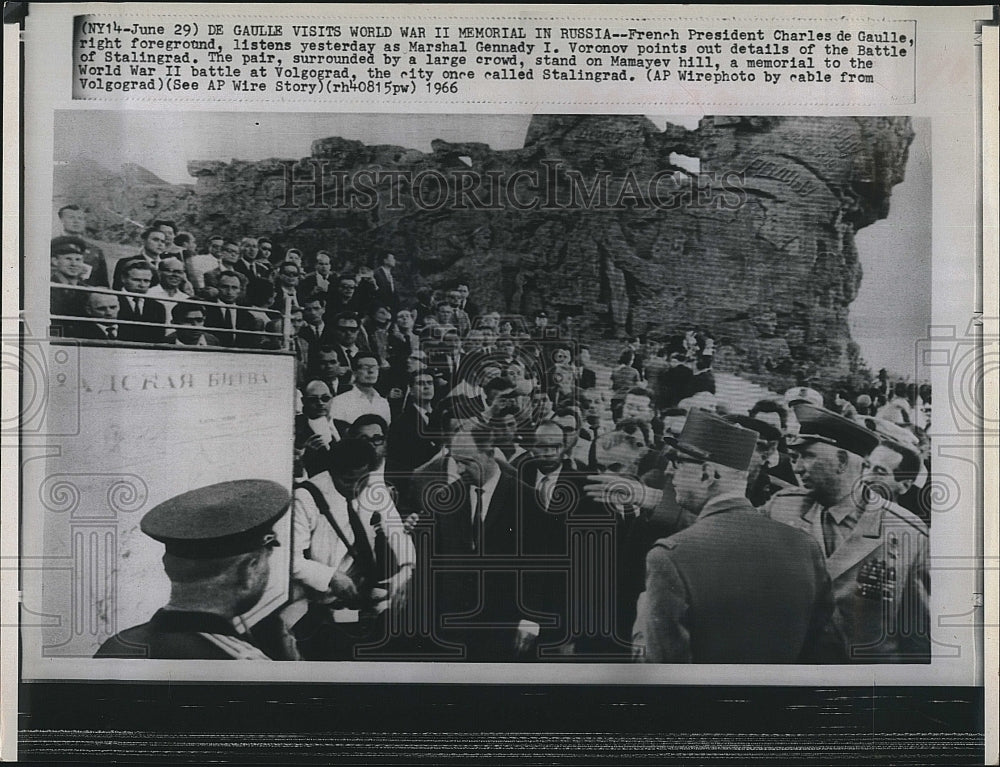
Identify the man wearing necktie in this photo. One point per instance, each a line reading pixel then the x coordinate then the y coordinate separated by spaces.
pixel 98 306
pixel 876 551
pixel 228 317
pixel 338 587
pixel 136 280
pixel 478 606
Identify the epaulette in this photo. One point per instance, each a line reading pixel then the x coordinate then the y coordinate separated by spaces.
pixel 668 543
pixel 906 516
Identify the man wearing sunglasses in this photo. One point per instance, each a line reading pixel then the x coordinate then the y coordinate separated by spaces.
pixel 315 431
pixel 218 543
pixel 734 587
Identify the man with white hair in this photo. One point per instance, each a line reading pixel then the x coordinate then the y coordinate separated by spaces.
pixel 734 587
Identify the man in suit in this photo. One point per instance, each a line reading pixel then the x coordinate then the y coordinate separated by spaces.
pixel 460 318
pixel 218 543
pixel 299 345
pixel 876 551
pixel 342 297
pixel 410 444
pixel 248 265
pixel 154 242
pixel 761 485
pixel 638 512
pixel 229 318
pixel 386 293
pixel 286 282
pixel 734 587
pixel 102 307
pixel 479 606
pixel 318 280
pixel 136 280
pixel 469 307
pixel 314 332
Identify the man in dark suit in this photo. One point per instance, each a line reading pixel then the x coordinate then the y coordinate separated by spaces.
pixel 136 280
pixel 154 242
pixel 478 606
pixel 342 297
pixel 471 308
pixel 734 587
pixel 410 444
pixel 318 280
pixel 385 285
pixel 228 318
pixel 102 307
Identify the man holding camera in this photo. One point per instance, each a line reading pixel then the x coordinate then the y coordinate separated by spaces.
pixel 343 578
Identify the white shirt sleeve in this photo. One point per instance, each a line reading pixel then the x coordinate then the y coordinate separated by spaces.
pixel 305 518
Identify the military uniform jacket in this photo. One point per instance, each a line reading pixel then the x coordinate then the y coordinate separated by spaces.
pixel 179 635
pixel 881 585
pixel 734 587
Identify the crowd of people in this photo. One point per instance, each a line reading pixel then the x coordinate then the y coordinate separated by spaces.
pixel 466 490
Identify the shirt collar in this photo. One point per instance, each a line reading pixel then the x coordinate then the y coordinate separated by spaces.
pixel 488 488
pixel 846 509
pixel 553 475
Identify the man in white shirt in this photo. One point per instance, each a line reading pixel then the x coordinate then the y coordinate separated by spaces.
pixel 197 265
pixel 172 279
pixel 339 585
pixel 363 398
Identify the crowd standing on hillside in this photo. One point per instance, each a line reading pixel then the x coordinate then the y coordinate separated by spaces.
pixel 459 473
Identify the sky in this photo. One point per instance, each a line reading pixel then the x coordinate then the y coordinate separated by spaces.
pixel 894 252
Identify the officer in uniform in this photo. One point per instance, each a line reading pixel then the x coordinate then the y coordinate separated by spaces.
pixel 734 587
pixel 218 542
pixel 876 551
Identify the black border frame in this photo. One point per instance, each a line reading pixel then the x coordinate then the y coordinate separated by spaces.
pixel 351 724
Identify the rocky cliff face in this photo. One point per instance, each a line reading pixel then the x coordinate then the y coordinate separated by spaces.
pixel 593 217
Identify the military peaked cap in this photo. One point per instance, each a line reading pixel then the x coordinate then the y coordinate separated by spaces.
pixel 219 520
pixel 817 424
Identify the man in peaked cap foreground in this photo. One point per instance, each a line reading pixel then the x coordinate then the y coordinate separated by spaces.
pixel 876 551
pixel 734 587
pixel 218 544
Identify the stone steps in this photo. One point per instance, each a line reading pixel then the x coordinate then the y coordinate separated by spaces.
pixel 736 393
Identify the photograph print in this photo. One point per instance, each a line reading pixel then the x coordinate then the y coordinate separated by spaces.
pixel 617 389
